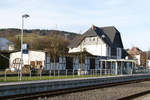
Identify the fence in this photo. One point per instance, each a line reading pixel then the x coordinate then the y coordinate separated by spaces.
pixel 62 74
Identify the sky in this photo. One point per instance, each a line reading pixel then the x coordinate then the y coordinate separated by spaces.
pixel 130 17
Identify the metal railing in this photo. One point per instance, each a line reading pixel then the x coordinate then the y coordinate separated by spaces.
pixel 62 74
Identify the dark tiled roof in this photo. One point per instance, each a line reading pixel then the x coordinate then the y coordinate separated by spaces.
pixel 110 35
pixel 113 35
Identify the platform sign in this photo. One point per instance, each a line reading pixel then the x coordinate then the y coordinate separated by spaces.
pixel 24 46
pixel 25 51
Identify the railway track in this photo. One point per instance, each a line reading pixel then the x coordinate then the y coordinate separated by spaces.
pixel 72 90
pixel 135 95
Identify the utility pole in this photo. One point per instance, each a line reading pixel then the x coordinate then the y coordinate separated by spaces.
pixel 21 61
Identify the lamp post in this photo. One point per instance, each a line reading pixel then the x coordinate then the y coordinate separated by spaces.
pixel 23 16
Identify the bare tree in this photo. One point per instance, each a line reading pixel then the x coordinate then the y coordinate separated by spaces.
pixel 143 59
pixel 56 46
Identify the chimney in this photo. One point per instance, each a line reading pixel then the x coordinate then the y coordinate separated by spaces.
pixel 92 27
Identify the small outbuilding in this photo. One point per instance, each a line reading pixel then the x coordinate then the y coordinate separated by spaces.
pixel 33 58
pixel 6 45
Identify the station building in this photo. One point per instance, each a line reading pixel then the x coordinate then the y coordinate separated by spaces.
pixel 98 48
pixel 30 57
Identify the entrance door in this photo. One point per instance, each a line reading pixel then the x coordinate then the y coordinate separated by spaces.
pixel 92 63
pixel 69 62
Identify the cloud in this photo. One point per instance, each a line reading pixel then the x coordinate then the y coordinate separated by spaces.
pixel 130 17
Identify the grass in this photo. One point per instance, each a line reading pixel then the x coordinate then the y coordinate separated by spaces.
pixel 33 78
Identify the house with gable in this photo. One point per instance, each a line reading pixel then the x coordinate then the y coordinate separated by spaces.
pixel 95 44
pixel 136 54
pixel 98 49
pixel 104 42
pixel 6 45
pixel 105 51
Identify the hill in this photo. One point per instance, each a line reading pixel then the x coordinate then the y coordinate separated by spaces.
pixel 13 31
pixel 38 39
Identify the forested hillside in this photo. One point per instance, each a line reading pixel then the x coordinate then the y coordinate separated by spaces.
pixel 12 32
pixel 54 42
pixel 39 39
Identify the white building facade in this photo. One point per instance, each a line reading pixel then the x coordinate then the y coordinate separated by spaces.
pixel 30 58
pixel 93 45
pixel 105 42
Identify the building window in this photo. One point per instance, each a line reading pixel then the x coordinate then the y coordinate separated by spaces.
pixel 108 51
pixel 39 63
pixel 113 51
pixel 56 60
pixel 93 39
pixel 119 52
pixel 32 63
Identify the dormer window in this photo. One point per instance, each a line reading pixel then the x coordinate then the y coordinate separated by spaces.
pixel 103 36
pixel 93 39
pixel 119 52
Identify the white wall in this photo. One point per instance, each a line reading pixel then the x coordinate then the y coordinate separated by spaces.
pixel 138 57
pixel 31 56
pixel 11 47
pixel 37 56
pixel 12 57
pixel 93 45
pixel 148 64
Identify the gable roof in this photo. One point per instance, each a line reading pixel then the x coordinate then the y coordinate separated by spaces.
pixel 134 51
pixel 113 35
pixel 110 35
